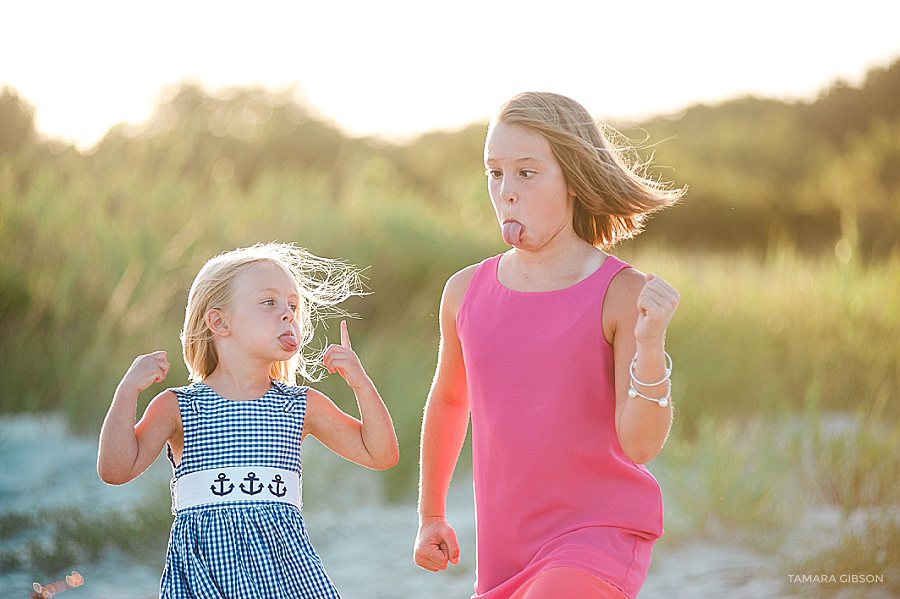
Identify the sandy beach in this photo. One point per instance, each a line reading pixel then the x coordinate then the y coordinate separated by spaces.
pixel 365 543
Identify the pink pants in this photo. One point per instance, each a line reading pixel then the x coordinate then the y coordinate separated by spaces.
pixel 567 582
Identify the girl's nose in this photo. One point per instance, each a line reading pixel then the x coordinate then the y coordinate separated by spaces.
pixel 288 315
pixel 507 191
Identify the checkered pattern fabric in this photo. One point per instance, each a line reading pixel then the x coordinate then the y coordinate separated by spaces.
pixel 238 550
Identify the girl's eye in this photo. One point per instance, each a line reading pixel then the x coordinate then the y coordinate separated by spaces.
pixel 294 307
pixel 527 174
pixel 493 173
pixel 269 302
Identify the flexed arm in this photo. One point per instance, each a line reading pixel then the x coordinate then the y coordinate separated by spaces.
pixel 126 449
pixel 643 307
pixel 370 441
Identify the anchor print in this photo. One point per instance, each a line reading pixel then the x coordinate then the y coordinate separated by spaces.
pixel 221 480
pixel 278 483
pixel 251 478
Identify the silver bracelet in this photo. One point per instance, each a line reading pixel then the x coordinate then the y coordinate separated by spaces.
pixel 661 381
pixel 662 401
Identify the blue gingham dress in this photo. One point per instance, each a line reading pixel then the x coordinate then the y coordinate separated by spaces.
pixel 237 549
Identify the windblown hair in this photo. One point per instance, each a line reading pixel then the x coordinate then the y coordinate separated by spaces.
pixel 613 193
pixel 322 284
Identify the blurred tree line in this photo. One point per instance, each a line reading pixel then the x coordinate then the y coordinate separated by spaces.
pixel 809 174
pixel 760 171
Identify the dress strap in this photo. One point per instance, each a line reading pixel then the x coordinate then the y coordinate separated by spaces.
pixel 187 391
pixel 610 268
pixel 290 390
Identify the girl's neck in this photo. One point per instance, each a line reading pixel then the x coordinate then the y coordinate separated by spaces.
pixel 555 266
pixel 562 252
pixel 239 380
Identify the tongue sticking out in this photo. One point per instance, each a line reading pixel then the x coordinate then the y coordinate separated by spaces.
pixel 512 232
pixel 288 342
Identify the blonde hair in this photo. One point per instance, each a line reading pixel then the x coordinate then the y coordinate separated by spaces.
pixel 322 284
pixel 613 195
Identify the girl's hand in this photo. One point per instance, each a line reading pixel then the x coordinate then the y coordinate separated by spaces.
pixel 656 304
pixel 146 370
pixel 436 544
pixel 343 360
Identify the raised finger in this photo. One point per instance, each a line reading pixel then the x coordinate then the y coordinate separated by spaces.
pixel 345 335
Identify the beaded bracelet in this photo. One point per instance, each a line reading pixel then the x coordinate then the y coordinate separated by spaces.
pixel 662 401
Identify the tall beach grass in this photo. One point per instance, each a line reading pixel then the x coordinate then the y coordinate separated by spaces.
pixel 96 271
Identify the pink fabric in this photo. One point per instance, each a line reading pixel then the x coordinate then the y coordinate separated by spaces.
pixel 552 485
pixel 554 583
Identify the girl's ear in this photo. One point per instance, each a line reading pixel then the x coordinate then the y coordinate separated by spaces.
pixel 215 321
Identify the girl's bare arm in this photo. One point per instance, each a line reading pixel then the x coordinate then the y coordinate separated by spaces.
pixel 370 441
pixel 126 448
pixel 443 433
pixel 639 309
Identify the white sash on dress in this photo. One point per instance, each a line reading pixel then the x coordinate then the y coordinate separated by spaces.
pixel 220 485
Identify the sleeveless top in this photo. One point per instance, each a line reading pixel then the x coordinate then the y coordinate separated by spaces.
pixel 553 487
pixel 241 549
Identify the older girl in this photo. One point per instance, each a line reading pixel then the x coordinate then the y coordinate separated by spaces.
pixel 557 349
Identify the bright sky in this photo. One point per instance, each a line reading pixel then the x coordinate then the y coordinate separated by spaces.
pixel 399 67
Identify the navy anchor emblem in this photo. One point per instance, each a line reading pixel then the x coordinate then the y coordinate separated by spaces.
pixel 278 483
pixel 251 478
pixel 221 480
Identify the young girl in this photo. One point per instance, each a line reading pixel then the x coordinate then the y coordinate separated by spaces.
pixel 233 436
pixel 558 351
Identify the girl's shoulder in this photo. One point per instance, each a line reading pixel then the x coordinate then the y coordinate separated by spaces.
pixel 459 280
pixel 626 284
pixel 620 302
pixel 163 411
pixel 456 287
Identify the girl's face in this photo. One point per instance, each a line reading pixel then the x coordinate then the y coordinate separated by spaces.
pixel 262 316
pixel 528 190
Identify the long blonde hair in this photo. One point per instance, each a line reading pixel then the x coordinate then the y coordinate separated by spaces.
pixel 613 195
pixel 322 284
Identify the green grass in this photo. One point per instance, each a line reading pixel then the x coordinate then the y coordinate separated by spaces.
pixel 730 479
pixel 853 467
pixel 99 263
pixel 48 542
pixel 773 334
pixel 871 552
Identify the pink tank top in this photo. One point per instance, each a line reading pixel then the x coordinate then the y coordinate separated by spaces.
pixel 552 485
